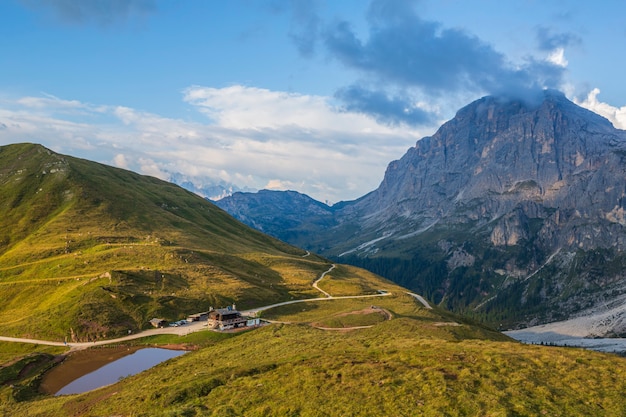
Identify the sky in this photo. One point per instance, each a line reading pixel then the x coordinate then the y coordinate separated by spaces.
pixel 317 96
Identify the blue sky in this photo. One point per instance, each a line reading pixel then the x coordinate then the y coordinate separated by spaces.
pixel 310 95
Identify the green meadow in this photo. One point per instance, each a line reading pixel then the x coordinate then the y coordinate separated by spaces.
pixel 88 252
pixel 417 363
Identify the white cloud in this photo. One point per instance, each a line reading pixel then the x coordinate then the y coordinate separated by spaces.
pixel 125 114
pixel 557 57
pixel 616 115
pixel 256 138
pixel 150 167
pixel 121 161
pixel 240 107
pixel 49 101
pixel 281 185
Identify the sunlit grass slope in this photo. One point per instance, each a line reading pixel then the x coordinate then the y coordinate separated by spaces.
pixel 90 251
pixel 419 363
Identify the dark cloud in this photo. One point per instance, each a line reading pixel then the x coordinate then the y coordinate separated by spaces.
pixel 391 12
pixel 103 12
pixel 305 24
pixel 304 29
pixel 405 52
pixel 388 110
pixel 548 40
pixel 417 54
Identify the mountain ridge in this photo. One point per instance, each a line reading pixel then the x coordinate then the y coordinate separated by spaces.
pixel 512 212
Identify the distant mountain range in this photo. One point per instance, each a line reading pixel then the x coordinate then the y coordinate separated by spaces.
pixel 207 187
pixel 513 212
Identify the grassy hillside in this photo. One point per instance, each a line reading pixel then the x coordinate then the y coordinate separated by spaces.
pixel 90 251
pixel 420 362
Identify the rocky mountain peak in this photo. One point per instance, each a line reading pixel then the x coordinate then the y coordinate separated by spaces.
pixel 499 110
pixel 514 209
pixel 496 146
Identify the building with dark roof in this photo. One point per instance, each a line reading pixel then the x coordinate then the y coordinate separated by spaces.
pixel 226 318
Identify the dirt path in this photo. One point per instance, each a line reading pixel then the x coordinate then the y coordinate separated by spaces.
pixel 181 331
pixel 317 281
pixel 369 310
pixel 421 300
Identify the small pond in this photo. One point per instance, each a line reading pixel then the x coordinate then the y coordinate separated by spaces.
pixel 77 375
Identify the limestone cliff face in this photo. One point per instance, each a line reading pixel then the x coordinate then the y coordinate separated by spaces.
pixel 502 162
pixel 534 193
